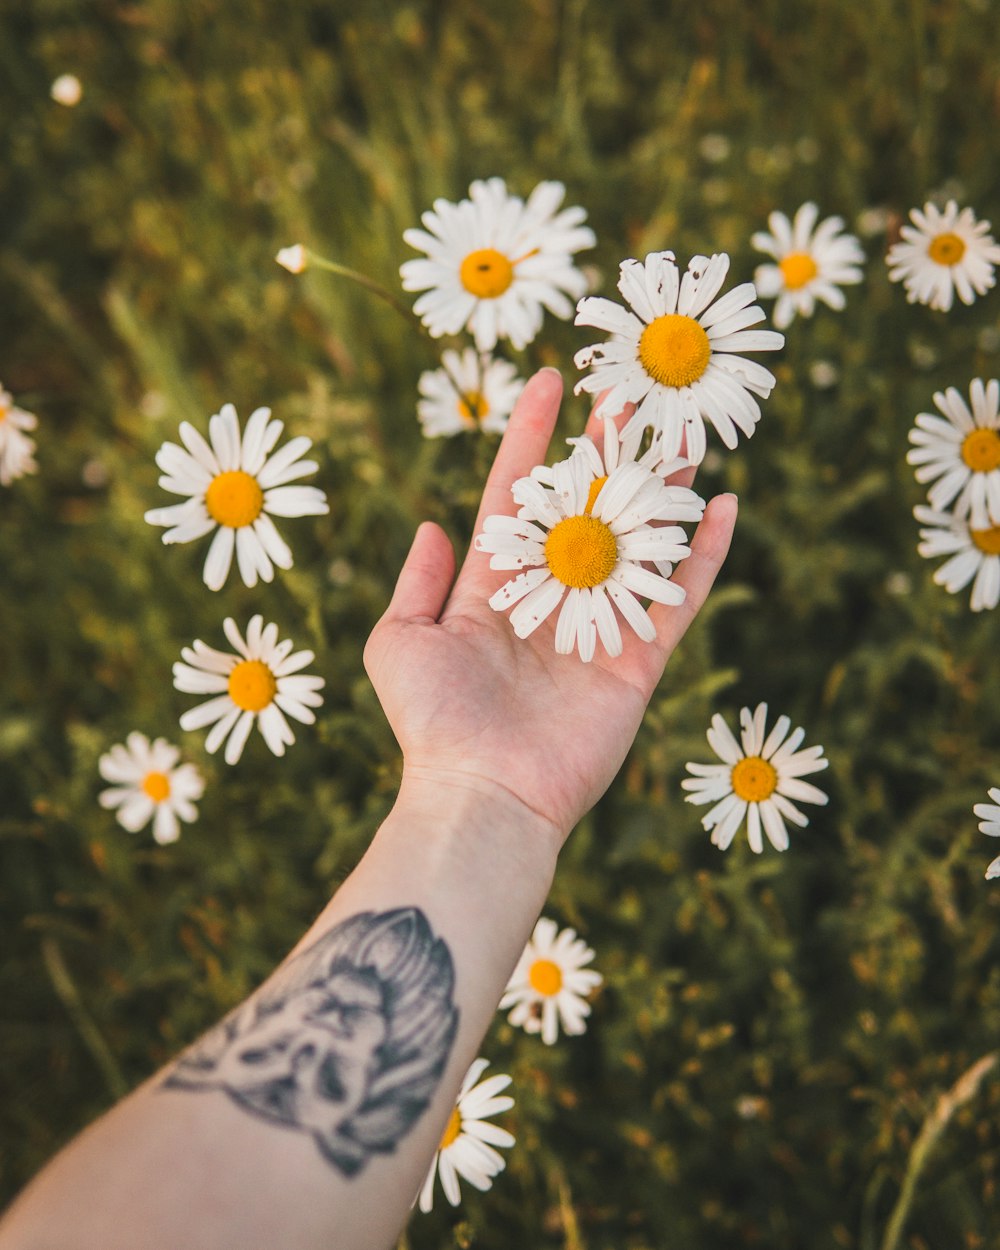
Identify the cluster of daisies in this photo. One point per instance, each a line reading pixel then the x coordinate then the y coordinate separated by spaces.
pixel 233 483
pixel 547 991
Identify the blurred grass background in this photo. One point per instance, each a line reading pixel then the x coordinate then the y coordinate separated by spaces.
pixel 774 1033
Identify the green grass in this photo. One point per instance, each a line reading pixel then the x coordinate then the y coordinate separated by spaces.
pixel 773 1032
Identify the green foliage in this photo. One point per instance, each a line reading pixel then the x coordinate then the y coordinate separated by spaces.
pixel 773 1032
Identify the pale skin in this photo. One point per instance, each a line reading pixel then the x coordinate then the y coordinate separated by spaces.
pixel 505 746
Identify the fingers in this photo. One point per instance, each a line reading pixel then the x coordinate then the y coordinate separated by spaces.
pixel 425 579
pixel 525 442
pixel 697 573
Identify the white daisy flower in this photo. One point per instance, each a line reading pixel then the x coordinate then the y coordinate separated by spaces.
pixel 673 353
pixel 468 392
pixel 67 90
pixel 585 541
pixel 962 451
pixel 989 815
pixel 17 450
pixel 148 784
pixel 757 780
pixel 295 258
pixel 550 983
pixel 495 261
pixel 234 488
pixel 261 683
pixel 813 263
pixel 944 253
pixel 974 555
pixel 467 1148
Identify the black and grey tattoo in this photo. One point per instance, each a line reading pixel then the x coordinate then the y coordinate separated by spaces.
pixel 347 1042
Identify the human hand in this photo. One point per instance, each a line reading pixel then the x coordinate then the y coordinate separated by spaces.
pixel 477 708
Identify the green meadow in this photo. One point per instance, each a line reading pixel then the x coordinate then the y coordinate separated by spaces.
pixel 791 1051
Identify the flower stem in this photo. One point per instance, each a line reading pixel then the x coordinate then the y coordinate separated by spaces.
pixel 362 279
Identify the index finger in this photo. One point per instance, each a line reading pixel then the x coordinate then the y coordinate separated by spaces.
pixel 524 443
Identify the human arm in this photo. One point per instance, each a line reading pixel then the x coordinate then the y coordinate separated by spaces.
pixel 311 1114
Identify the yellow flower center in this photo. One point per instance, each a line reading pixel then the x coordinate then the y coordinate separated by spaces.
pixel 595 490
pixel 581 551
pixel 981 450
pixel 252 685
pixel 797 268
pixel 486 273
pixel 4 410
pixel 988 541
pixel 234 499
pixel 946 249
pixel 674 350
pixel 452 1130
pixel 472 407
pixel 157 786
pixel 545 977
pixel 754 779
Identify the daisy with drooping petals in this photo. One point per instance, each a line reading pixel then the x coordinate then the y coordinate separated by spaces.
pixel 234 487
pixel 148 784
pixel 812 263
pixel 467 1147
pixel 468 392
pixel 944 253
pixel 989 815
pixel 756 780
pixel 550 983
pixel 673 354
pixel 583 543
pixel 261 683
pixel 494 261
pixel 974 555
pixel 962 452
pixel 17 450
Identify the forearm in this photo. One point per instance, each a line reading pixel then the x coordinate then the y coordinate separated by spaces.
pixel 256 1138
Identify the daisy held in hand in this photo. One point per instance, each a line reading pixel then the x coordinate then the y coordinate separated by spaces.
pixel 811 264
pixel 234 487
pixel 260 684
pixel 673 352
pixel 17 449
pixel 757 779
pixel 469 392
pixel 962 452
pixel 467 1149
pixel 989 817
pixel 943 254
pixel 148 784
pixel 974 555
pixel 548 988
pixel 494 262
pixel 583 542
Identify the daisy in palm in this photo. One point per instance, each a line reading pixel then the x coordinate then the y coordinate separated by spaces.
pixel 583 542
pixel 467 1149
pixel 17 449
pixel 494 262
pixel 961 449
pixel 673 352
pixel 973 555
pixel 148 784
pixel 234 485
pixel 260 684
pixel 811 263
pixel 989 816
pixel 548 988
pixel 943 254
pixel 470 391
pixel 758 778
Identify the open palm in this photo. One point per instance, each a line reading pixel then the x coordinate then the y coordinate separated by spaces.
pixel 474 706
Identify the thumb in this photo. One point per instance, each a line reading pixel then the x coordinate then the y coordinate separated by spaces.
pixel 425 579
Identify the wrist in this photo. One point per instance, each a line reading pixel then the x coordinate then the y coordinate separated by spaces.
pixel 468 808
